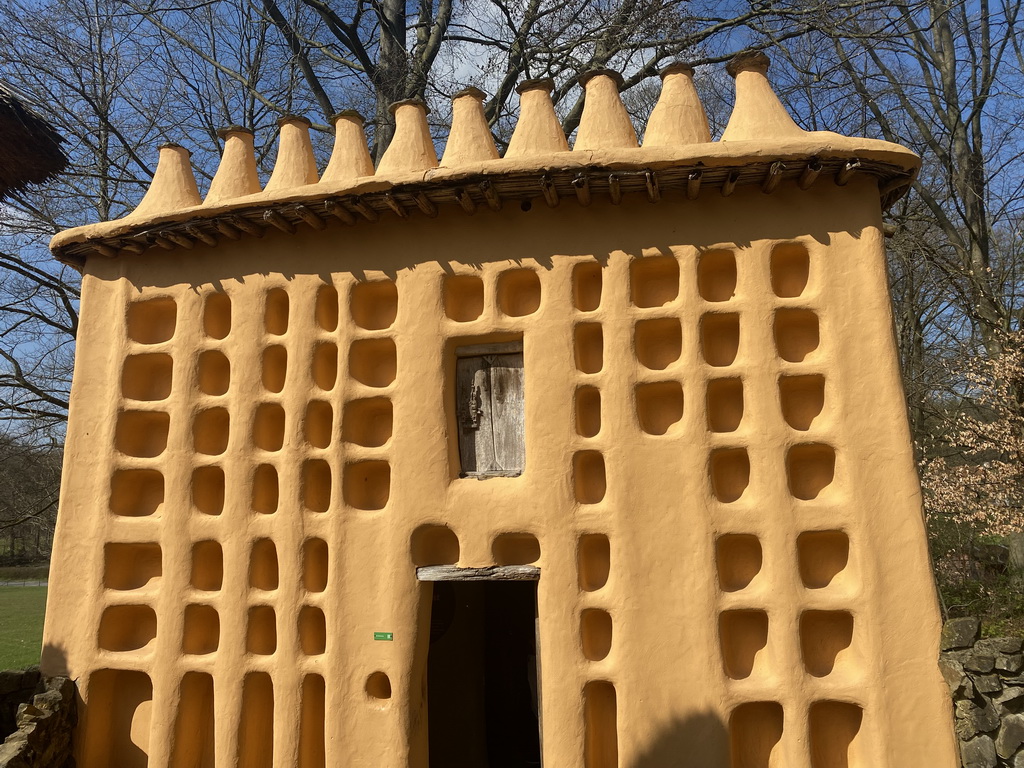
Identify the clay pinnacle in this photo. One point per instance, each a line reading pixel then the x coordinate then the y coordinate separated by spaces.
pixel 748 61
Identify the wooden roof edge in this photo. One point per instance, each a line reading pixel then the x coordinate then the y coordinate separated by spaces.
pixel 433 193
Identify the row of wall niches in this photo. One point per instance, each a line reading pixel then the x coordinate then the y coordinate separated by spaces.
pixel 518 294
pixel 126 628
pixel 433 544
pixel 133 566
pixel 366 422
pixel 756 728
pixel 654 281
pixel 372 306
pixel 823 558
pixel 365 485
pixel 659 404
pixel 593 562
pixel 129 692
pixel 589 478
pixel 824 637
pixel 810 468
pixel 658 342
pixel 593 551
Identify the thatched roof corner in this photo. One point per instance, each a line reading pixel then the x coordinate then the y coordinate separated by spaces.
pixel 30 150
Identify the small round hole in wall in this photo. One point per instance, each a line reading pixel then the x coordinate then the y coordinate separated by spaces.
pixel 525 205
pixel 378 686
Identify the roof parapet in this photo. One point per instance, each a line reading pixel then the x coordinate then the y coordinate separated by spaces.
pixel 295 165
pixel 411 148
pixel 538 130
pixel 236 175
pixel 173 186
pixel 605 123
pixel 678 117
pixel 762 145
pixel 350 158
pixel 469 139
pixel 757 112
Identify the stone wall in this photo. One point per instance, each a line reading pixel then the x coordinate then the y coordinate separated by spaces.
pixel 40 734
pixel 986 678
pixel 16 687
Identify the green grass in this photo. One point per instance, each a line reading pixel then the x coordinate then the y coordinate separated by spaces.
pixel 21 625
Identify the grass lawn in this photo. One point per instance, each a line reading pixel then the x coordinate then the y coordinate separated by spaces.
pixel 21 625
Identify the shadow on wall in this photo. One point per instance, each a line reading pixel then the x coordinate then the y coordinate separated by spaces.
pixel 53 661
pixel 698 741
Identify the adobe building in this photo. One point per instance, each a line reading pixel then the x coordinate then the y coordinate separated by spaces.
pixel 592 456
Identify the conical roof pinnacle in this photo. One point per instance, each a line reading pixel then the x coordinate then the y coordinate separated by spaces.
pixel 173 186
pixel 757 113
pixel 295 165
pixel 412 147
pixel 469 139
pixel 604 124
pixel 538 130
pixel 678 117
pixel 677 121
pixel 350 158
pixel 236 175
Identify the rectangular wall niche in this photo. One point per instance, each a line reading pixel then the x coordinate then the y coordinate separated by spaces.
pixel 489 407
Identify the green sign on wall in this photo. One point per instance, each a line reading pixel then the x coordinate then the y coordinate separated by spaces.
pixel 383 635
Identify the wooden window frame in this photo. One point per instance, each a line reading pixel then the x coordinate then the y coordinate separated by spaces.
pixel 482 350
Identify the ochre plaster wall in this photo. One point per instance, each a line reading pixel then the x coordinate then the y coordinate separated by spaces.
pixel 262 451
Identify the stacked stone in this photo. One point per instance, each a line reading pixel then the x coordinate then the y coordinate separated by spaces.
pixel 986 678
pixel 44 728
pixel 16 687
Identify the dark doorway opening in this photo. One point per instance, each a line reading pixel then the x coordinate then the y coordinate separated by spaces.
pixel 482 694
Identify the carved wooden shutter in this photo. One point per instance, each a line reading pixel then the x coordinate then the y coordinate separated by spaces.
pixel 489 407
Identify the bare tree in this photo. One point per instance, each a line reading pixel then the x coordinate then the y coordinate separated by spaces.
pixel 28 506
pixel 367 55
pixel 944 77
